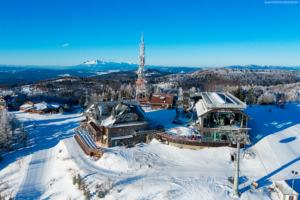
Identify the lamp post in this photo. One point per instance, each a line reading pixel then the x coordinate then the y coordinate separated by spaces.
pixel 236 138
pixel 295 173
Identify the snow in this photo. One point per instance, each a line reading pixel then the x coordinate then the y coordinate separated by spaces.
pixel 93 62
pixel 201 108
pixel 163 85
pixel 101 73
pixel 285 188
pixel 26 106
pixel 64 75
pixel 154 170
pixel 87 139
pixel 26 89
pixel 111 71
pixel 108 121
pixel 216 98
pixel 182 131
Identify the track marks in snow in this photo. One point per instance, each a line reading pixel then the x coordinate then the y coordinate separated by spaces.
pixel 37 179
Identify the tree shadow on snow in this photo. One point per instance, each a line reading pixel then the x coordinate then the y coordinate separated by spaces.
pixel 265 123
pixel 45 136
pixel 287 140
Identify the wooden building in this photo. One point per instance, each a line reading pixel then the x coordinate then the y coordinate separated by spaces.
pixel 113 123
pixel 13 102
pixel 41 108
pixel 161 101
pixel 219 115
pixel 186 101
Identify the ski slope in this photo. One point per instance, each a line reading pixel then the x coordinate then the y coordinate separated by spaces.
pixel 154 170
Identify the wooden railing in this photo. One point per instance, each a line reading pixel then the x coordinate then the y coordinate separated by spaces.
pixel 83 123
pixel 87 149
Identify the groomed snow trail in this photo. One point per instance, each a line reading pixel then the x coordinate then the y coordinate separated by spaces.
pixel 37 178
pixel 158 171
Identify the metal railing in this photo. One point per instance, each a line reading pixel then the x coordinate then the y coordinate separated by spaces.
pixel 84 145
pixel 186 139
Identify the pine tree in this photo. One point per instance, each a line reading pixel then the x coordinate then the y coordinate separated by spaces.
pixel 108 95
pixel 100 194
pixel 87 194
pixel 61 110
pixel 74 180
pixel 80 101
pixel 240 95
pixel 83 185
pixel 251 95
pixel 79 181
pixel 86 102
pixel 23 135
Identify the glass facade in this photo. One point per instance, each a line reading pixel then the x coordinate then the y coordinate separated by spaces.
pixel 215 136
pixel 224 119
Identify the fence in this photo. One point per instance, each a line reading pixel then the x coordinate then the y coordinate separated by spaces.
pixel 193 144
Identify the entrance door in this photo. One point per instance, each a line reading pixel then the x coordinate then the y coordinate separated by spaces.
pixel 116 143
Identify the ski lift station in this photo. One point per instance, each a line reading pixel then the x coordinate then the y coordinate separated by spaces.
pixel 220 115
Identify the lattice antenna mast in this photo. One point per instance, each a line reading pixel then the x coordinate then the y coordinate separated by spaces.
pixel 142 57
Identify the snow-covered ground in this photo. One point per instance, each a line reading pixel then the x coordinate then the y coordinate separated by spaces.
pixel 154 170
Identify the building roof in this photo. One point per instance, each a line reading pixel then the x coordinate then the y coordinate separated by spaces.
pixel 201 108
pixel 162 99
pixel 216 100
pixel 285 188
pixel 106 113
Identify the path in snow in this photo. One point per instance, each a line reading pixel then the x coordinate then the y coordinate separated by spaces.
pixel 36 180
pixel 50 129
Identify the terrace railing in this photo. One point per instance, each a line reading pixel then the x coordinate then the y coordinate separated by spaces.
pixel 87 149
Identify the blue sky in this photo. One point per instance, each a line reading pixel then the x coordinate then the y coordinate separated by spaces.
pixel 177 33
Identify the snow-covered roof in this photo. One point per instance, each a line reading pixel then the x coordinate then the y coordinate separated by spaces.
pixel 56 105
pixel 134 123
pixel 285 188
pixel 222 100
pixel 201 107
pixel 109 121
pixel 42 106
pixel 26 106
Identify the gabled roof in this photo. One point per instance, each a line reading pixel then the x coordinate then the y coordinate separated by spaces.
pixel 223 100
pixel 162 99
pixel 285 188
pixel 108 113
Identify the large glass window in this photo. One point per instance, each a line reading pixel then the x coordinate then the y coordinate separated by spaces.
pixel 215 136
pixel 215 120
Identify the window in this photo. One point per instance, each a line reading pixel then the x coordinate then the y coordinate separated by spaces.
pixel 291 197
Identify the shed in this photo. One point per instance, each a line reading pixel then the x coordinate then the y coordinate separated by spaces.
pixel 285 192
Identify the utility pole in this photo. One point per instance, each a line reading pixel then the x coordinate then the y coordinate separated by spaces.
pixel 295 173
pixel 236 171
pixel 235 139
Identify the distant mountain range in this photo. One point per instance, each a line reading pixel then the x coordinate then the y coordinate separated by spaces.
pixel 263 67
pixel 13 74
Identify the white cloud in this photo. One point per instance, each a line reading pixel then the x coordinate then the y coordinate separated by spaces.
pixel 65 45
